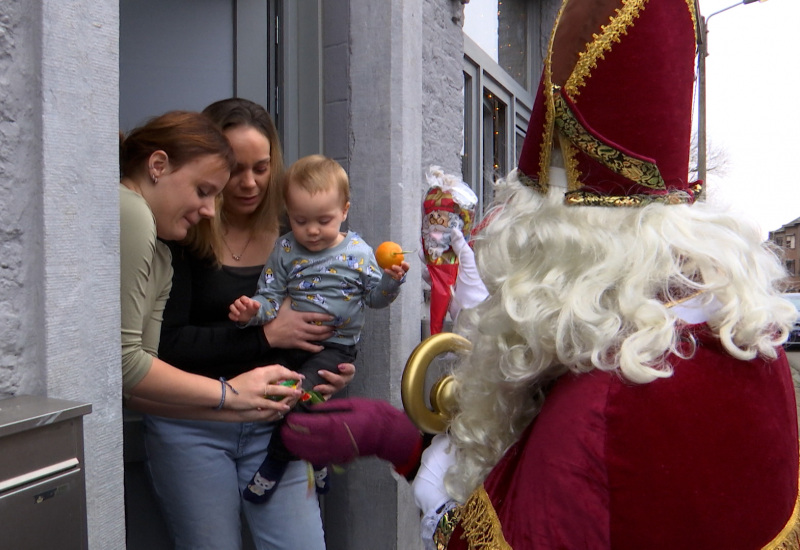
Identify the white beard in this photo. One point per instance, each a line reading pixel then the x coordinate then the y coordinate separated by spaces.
pixel 436 239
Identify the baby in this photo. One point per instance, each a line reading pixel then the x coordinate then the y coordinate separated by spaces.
pixel 322 270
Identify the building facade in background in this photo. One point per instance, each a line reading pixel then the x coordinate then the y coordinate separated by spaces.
pixel 787 239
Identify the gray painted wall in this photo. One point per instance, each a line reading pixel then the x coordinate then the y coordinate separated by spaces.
pixel 59 259
pixel 393 104
pixel 372 122
pixel 21 223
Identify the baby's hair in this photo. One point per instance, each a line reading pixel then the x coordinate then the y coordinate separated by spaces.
pixel 317 173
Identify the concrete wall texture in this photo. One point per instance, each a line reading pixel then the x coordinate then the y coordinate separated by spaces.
pixel 391 97
pixel 21 223
pixel 59 258
pixel 442 86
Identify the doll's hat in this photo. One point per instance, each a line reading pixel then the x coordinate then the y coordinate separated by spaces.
pixel 449 193
pixel 616 96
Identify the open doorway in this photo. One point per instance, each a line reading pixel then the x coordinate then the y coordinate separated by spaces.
pixel 185 54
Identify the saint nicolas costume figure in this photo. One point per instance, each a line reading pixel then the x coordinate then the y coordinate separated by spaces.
pixel 659 413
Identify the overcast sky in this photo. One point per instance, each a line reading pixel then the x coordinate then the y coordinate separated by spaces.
pixel 754 107
pixel 753 102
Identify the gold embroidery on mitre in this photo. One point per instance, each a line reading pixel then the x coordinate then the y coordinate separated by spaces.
pixel 533 183
pixel 575 197
pixel 542 183
pixel 636 170
pixel 601 44
pixel 595 50
pixel 585 198
pixel 789 537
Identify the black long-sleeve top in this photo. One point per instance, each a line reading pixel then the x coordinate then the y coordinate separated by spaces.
pixel 196 334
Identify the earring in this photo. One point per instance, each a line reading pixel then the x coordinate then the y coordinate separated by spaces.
pixel 154 178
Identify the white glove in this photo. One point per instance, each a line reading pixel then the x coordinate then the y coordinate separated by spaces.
pixel 428 486
pixel 469 290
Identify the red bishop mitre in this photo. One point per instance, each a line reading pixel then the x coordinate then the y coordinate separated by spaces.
pixel 616 96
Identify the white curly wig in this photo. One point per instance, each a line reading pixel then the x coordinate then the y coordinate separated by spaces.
pixel 582 288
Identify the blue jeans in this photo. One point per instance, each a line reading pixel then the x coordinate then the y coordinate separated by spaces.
pixel 199 469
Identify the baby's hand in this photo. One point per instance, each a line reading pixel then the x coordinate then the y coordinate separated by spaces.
pixel 243 309
pixel 397 272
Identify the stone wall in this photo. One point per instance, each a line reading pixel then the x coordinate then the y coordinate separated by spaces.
pixel 442 86
pixel 59 236
pixel 393 105
pixel 21 224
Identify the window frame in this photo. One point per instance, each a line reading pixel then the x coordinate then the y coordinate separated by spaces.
pixel 483 75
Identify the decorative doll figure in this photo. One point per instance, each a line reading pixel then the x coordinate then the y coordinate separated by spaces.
pixel 448 210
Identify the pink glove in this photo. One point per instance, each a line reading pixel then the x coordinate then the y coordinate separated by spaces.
pixel 340 430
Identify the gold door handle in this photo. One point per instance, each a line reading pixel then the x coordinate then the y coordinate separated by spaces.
pixel 442 397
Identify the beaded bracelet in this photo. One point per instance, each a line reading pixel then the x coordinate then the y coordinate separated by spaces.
pixel 225 385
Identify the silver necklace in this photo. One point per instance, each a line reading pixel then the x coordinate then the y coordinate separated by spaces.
pixel 238 257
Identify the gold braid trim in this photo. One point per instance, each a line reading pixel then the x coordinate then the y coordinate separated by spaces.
pixel 541 184
pixel 692 12
pixel 601 44
pixel 547 137
pixel 482 529
pixel 636 170
pixel 583 198
pixel 789 537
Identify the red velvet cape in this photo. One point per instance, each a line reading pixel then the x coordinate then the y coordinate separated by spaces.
pixel 707 458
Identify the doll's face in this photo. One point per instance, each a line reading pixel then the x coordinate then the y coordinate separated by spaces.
pixel 436 232
pixel 438 217
pixel 441 213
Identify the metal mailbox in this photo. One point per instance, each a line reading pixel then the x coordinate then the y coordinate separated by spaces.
pixel 42 483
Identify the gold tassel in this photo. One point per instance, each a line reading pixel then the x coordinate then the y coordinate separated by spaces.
pixel 482 528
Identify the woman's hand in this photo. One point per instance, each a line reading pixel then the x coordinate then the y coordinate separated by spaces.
pixel 297 330
pixel 260 390
pixel 336 382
